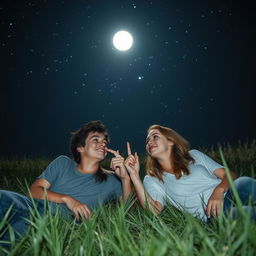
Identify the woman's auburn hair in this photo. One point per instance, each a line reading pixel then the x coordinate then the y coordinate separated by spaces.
pixel 180 156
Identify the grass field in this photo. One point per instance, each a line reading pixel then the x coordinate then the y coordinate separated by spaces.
pixel 127 229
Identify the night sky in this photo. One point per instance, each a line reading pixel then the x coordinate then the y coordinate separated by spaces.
pixel 191 68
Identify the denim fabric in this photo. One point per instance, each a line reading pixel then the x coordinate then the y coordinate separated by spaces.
pixel 20 210
pixel 246 189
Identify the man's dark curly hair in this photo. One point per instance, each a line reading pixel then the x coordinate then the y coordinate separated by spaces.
pixel 78 137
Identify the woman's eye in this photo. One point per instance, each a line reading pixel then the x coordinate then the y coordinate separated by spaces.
pixel 155 137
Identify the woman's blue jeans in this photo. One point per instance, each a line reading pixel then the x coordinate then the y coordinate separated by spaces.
pixel 246 189
pixel 21 207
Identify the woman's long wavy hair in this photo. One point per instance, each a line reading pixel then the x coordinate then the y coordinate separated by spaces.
pixel 180 156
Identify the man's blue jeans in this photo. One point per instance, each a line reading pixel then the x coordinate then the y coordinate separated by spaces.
pixel 21 207
pixel 246 189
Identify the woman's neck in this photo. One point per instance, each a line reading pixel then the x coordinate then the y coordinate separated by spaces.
pixel 167 168
pixel 166 164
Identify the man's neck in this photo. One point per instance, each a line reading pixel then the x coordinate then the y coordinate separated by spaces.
pixel 88 166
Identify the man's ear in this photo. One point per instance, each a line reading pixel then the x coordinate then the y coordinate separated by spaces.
pixel 80 149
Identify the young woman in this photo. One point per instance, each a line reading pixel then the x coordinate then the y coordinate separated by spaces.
pixel 187 179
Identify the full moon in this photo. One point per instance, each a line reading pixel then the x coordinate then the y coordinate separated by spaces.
pixel 122 40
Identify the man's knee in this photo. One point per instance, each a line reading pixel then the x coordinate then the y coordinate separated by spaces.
pixel 5 197
pixel 12 199
pixel 5 202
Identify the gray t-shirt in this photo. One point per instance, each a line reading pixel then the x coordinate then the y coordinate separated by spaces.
pixel 64 178
pixel 191 192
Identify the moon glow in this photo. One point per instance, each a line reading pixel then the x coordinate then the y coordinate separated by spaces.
pixel 122 40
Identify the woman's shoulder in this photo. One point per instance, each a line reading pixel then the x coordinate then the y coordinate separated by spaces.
pixel 195 153
pixel 150 179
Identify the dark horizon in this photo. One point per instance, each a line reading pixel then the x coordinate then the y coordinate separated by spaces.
pixel 191 68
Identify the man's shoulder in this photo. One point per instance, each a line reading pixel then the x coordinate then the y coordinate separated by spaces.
pixel 108 172
pixel 63 158
pixel 112 177
pixel 62 161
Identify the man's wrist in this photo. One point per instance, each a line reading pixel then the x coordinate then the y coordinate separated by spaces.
pixel 65 199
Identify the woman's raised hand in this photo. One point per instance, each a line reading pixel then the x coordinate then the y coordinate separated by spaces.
pixel 132 162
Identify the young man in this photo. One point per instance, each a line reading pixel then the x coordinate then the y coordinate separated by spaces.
pixel 75 187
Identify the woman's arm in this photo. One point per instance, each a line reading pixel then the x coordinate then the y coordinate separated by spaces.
pixel 216 200
pixel 144 198
pixel 132 165
pixel 221 174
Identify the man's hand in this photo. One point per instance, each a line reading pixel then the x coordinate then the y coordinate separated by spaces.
pixel 117 164
pixel 79 209
pixel 215 203
pixel 132 162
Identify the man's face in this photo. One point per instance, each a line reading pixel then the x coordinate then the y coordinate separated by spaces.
pixel 94 147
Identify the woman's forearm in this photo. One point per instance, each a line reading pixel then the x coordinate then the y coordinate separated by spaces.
pixel 224 184
pixel 144 198
pixel 126 188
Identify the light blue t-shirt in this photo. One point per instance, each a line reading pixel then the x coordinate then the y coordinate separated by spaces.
pixel 64 178
pixel 190 192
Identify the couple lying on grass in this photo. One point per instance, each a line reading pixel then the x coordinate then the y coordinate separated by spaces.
pixel 187 179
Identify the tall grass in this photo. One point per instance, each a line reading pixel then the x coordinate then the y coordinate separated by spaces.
pixel 126 229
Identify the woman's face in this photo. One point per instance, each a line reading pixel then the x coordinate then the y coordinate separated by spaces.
pixel 157 144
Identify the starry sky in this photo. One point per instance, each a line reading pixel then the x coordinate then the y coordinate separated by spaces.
pixel 191 68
